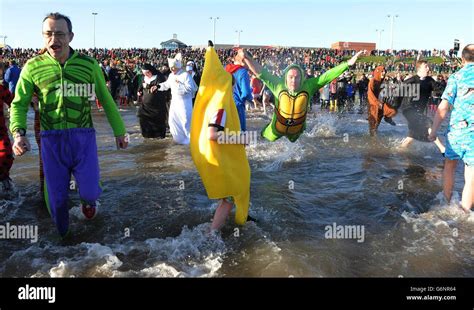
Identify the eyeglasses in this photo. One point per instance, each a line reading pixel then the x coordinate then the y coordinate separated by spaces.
pixel 57 34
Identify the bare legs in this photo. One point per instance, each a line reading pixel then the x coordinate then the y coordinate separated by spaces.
pixel 221 215
pixel 448 178
pixel 408 141
pixel 448 183
pixel 468 191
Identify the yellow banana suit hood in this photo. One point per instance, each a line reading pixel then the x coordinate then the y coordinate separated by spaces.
pixel 224 168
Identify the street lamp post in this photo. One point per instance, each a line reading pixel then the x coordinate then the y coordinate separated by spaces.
pixel 392 20
pixel 4 38
pixel 238 36
pixel 94 14
pixel 214 19
pixel 380 38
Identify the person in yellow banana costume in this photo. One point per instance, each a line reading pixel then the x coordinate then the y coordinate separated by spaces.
pixel 292 95
pixel 223 167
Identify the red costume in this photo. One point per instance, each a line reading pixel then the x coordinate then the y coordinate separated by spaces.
pixel 6 151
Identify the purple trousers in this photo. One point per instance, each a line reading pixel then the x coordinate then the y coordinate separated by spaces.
pixel 64 152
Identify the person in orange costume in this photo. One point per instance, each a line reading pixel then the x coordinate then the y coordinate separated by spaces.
pixel 377 108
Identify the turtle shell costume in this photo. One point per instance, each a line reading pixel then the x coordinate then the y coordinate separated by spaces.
pixel 291 108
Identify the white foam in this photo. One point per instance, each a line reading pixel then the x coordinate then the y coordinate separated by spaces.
pixel 99 252
pixel 275 154
pixel 324 127
pixel 440 227
pixel 451 210
pixel 62 270
pixel 98 260
pixel 160 270
pixel 192 254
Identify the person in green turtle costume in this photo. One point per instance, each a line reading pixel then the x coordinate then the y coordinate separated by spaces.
pixel 292 95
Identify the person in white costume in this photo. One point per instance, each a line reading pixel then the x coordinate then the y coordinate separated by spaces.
pixel 182 90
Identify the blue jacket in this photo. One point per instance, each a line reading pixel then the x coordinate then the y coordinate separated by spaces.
pixel 242 90
pixel 11 77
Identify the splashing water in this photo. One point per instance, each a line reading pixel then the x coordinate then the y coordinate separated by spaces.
pixel 154 216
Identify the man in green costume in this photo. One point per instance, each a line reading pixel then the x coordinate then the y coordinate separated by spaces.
pixel 65 81
pixel 292 95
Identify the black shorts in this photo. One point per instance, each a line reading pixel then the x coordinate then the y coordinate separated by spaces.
pixel 418 124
